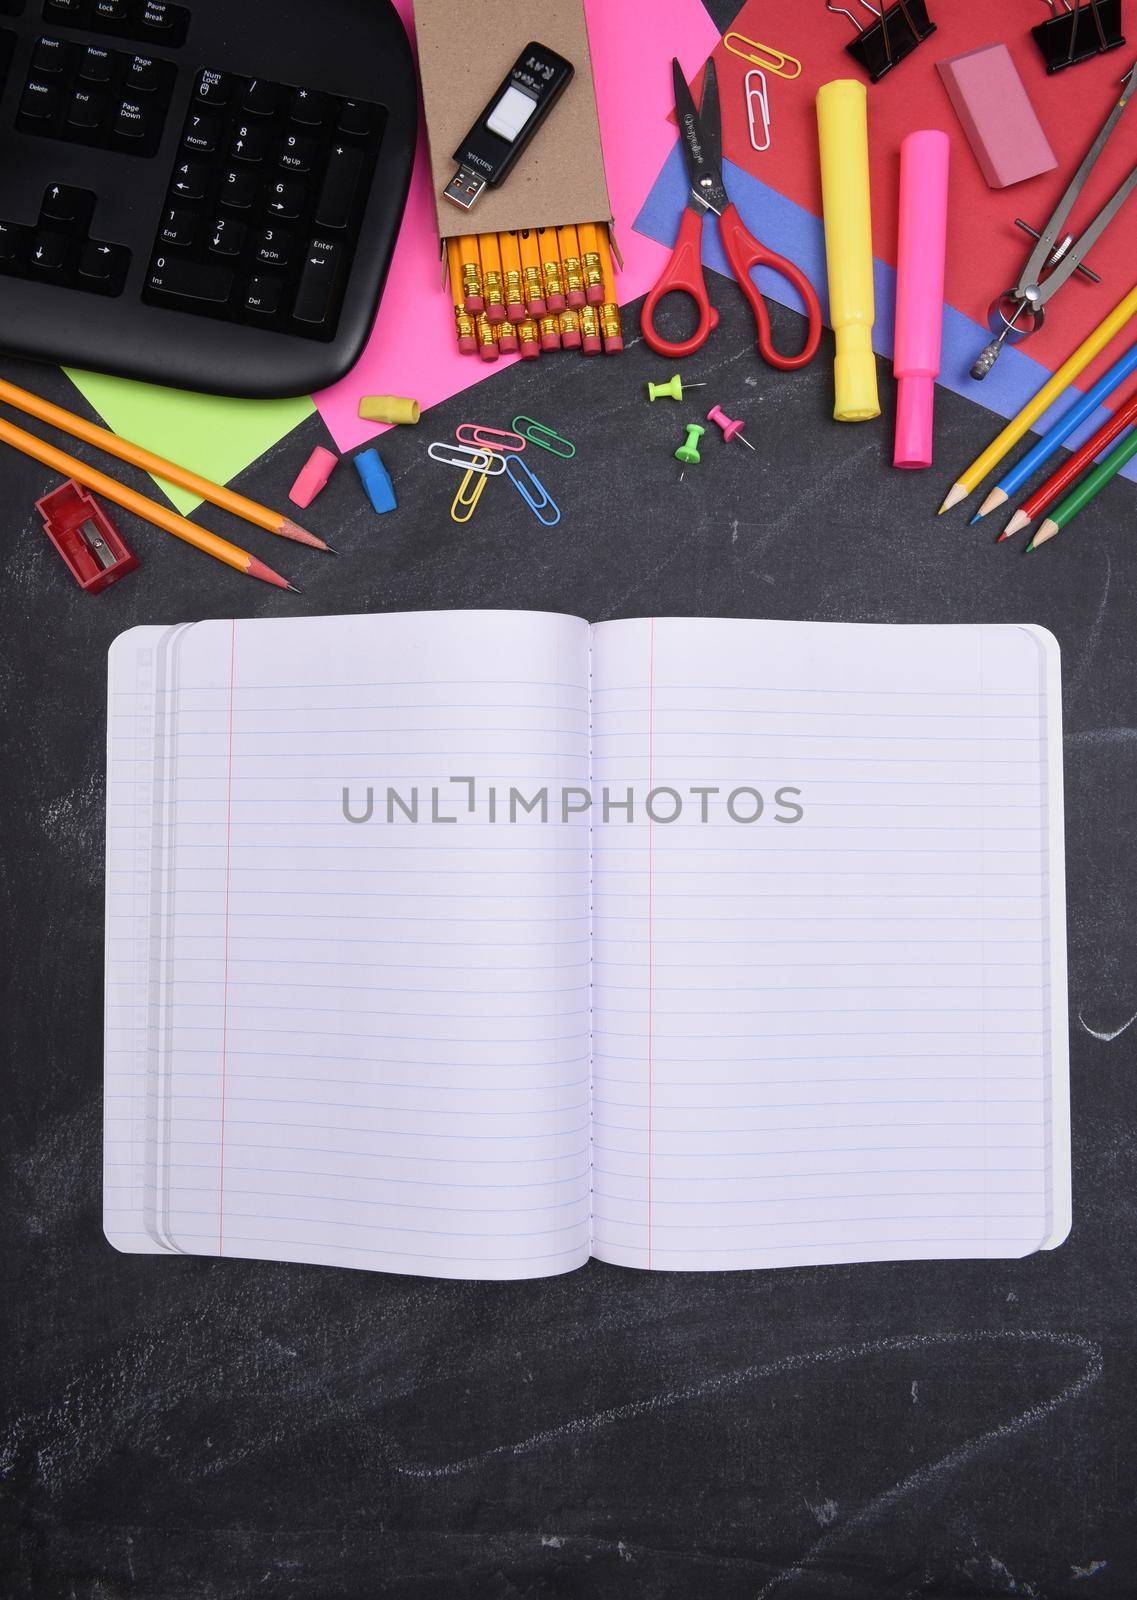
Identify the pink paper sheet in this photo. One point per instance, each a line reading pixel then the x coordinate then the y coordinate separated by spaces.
pixel 412 351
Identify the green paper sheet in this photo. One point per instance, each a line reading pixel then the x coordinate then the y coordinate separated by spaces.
pixel 215 437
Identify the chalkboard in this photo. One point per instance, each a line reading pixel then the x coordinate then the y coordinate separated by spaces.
pixel 221 1430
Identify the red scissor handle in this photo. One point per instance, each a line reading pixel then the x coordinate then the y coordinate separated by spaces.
pixel 683 273
pixel 744 254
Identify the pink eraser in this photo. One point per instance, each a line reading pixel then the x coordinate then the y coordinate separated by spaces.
pixel 507 341
pixel 314 476
pixel 994 109
pixel 925 157
pixel 530 348
pixel 570 339
pixel 550 340
pixel 590 344
pixel 467 344
pixel 555 301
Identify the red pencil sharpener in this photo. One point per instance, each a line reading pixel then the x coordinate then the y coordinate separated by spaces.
pixel 96 553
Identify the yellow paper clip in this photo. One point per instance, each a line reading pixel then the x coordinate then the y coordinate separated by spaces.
pixel 465 501
pixel 763 55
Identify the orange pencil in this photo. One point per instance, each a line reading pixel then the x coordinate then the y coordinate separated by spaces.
pixel 568 242
pixel 550 253
pixel 531 273
pixel 590 341
pixel 238 505
pixel 463 322
pixel 471 259
pixel 550 327
pixel 511 276
pixel 149 510
pixel 590 263
pixel 490 253
pixel 530 336
pixel 487 344
pixel 610 325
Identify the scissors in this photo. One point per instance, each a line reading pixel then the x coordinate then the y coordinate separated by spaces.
pixel 701 133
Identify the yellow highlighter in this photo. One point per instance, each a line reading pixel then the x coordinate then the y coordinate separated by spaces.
pixel 842 125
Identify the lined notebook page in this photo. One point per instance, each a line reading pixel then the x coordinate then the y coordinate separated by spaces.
pixel 840 1039
pixel 357 1043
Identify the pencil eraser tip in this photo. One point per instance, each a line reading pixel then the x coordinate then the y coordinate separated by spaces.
pixel 467 344
pixel 495 314
pixel 576 298
pixel 507 344
pixel 475 305
pixel 313 477
pixel 488 352
pixel 590 344
pixel 530 349
pixel 536 308
pixel 596 294
pixel 613 344
pixel 550 341
pixel 571 339
pixel 555 302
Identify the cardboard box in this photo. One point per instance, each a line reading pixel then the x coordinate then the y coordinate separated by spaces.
pixel 465 49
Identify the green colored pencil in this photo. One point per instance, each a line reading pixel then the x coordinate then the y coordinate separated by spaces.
pixel 1088 489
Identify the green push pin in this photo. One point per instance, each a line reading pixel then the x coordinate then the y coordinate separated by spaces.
pixel 688 451
pixel 670 391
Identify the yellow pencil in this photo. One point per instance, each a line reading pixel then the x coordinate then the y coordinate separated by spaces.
pixel 610 324
pixel 490 253
pixel 531 272
pixel 569 243
pixel 590 263
pixel 511 275
pixel 463 322
pixel 1046 396
pixel 550 252
pixel 471 274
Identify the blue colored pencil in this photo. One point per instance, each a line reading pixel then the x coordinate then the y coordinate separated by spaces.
pixel 1059 433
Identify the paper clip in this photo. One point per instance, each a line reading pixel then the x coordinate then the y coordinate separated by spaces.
pixel 498 439
pixel 545 438
pixel 1074 35
pixel 466 501
pixel 758 95
pixel 537 507
pixel 763 55
pixel 465 457
pixel 891 39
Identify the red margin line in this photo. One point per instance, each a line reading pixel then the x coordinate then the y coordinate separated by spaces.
pixel 650 952
pixel 225 944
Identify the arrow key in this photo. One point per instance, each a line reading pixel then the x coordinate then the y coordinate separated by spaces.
pixel 49 254
pixel 65 208
pixel 227 237
pixel 102 267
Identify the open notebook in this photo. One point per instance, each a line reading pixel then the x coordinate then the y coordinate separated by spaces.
pixel 490 1047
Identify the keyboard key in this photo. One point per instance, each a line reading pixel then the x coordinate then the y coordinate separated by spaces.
pixel 132 121
pixel 49 56
pixel 49 254
pixel 341 181
pixel 179 228
pixel 261 99
pixel 158 17
pixel 65 208
pixel 41 100
pixel 274 249
pixel 195 282
pixel 309 109
pixel 249 143
pixel 318 282
pixel 214 89
pixel 203 132
pixel 62 10
pixel 227 237
pixel 102 267
pixel 142 75
pixel 97 66
pixel 13 243
pixel 264 296
pixel 355 120
pixel 191 181
pixel 298 153
pixel 85 112
pixel 286 199
pixel 110 12
pixel 239 190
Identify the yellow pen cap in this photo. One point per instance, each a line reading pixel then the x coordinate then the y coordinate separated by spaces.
pixel 842 125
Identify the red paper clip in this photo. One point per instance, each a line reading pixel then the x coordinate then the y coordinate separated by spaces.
pixel 96 553
pixel 499 439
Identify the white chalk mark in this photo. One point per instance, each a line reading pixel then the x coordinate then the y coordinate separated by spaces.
pixel 1089 1569
pixel 1093 634
pixel 580 1428
pixel 1107 1037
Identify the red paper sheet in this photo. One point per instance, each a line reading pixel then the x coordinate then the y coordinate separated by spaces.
pixel 986 252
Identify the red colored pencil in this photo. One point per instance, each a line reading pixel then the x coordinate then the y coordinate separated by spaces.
pixel 1054 486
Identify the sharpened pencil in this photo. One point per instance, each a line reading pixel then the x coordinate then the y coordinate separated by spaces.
pixel 1089 489
pixel 1070 471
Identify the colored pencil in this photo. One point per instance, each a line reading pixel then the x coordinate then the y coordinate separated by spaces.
pixel 1089 488
pixel 590 263
pixel 511 276
pixel 568 242
pixel 136 456
pixel 149 510
pixel 492 286
pixel 1071 470
pixel 531 273
pixel 470 256
pixel 1043 400
pixel 1083 408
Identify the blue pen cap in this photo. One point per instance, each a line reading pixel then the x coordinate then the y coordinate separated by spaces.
pixel 376 480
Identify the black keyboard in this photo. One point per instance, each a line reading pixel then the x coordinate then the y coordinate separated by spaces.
pixel 205 196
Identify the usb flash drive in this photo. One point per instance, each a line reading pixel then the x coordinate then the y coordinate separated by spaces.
pixel 486 155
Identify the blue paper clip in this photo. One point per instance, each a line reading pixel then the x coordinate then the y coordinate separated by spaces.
pixel 517 472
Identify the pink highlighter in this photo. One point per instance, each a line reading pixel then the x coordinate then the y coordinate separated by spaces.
pixel 924 160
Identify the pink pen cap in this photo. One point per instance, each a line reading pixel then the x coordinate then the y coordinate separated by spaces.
pixel 922 247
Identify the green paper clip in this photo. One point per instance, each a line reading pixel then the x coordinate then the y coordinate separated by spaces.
pixel 670 391
pixel 545 438
pixel 688 452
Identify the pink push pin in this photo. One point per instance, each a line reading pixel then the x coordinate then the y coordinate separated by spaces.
pixel 730 429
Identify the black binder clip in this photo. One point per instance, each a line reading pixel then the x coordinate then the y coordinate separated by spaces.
pixel 885 43
pixel 1078 33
